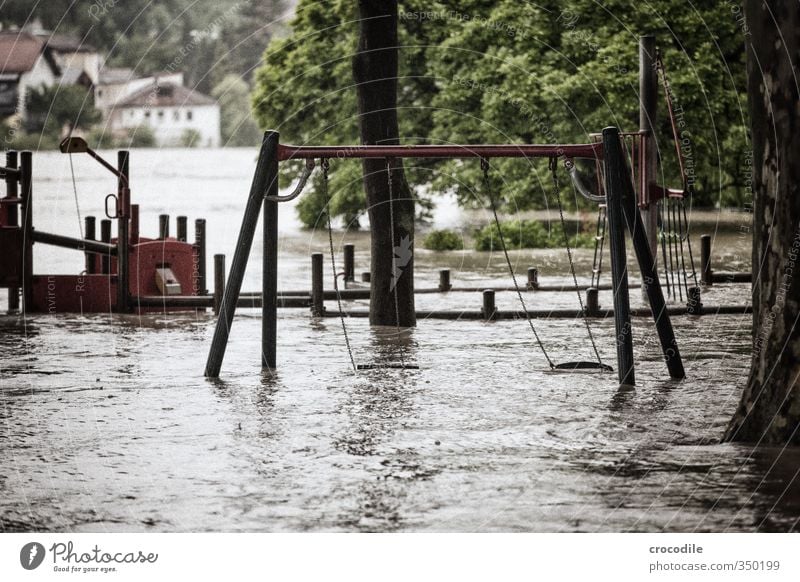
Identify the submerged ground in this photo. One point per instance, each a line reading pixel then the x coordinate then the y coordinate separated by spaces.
pixel 106 422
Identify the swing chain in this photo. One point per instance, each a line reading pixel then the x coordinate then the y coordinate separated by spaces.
pixel 325 166
pixel 553 164
pixel 488 191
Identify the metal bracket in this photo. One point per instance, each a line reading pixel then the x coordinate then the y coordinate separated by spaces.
pixel 578 183
pixel 300 185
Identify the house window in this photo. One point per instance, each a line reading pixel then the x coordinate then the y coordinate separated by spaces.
pixel 147 114
pixel 189 115
pixel 99 92
pixel 160 115
pixel 176 115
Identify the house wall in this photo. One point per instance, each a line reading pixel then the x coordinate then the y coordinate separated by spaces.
pixel 170 123
pixel 80 62
pixel 40 74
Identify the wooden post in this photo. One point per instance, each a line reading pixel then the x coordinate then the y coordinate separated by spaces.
pixel 134 234
pixel 317 295
pixel 90 233
pixel 706 274
pixel 265 180
pixel 349 263
pixel 219 281
pixel 200 245
pixel 647 263
pixel 26 191
pixel 181 228
pixel 163 226
pixel 615 175
pixel 105 236
pixel 12 191
pixel 533 278
pixel 444 280
pixel 592 302
pixel 489 310
pixel 123 244
pixel 648 109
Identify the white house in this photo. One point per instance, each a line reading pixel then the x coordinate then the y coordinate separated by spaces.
pixel 25 62
pixel 172 112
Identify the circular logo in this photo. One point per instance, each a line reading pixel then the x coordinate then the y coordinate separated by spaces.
pixel 31 555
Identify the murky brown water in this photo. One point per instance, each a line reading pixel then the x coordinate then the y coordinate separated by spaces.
pixel 106 422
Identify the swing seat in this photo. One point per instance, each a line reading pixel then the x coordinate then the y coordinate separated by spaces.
pixel 583 365
pixel 389 365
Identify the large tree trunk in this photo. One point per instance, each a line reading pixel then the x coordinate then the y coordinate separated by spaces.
pixel 375 75
pixel 770 408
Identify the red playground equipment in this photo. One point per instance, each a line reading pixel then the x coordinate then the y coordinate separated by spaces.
pixel 123 274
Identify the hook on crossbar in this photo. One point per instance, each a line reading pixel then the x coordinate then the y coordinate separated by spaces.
pixel 300 184
pixel 578 183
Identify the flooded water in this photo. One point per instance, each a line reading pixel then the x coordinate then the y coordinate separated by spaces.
pixel 107 423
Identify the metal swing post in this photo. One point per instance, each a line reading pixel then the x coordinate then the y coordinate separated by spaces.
pixel 622 203
pixel 265 183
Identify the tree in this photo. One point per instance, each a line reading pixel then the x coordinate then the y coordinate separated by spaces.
pixel 389 201
pixel 49 109
pixel 502 71
pixel 769 411
pixel 237 125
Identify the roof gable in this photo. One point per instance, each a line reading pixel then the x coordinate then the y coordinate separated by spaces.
pixel 19 52
pixel 166 95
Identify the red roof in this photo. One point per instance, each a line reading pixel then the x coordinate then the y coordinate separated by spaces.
pixel 166 95
pixel 19 51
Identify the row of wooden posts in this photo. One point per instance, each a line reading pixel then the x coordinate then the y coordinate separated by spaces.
pixel 315 298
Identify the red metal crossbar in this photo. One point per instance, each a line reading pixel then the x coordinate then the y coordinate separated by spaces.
pixel 589 150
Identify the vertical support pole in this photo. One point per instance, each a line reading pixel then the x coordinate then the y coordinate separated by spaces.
pixel 317 295
pixel 706 274
pixel 105 236
pixel 533 278
pixel 200 244
pixel 615 176
pixel 219 281
pixel 26 191
pixel 123 258
pixel 648 109
pixel 163 226
pixel 266 171
pixel 181 228
pixel 269 284
pixel 647 266
pixel 134 234
pixel 444 280
pixel 592 302
pixel 90 233
pixel 489 310
pixel 12 191
pixel 349 263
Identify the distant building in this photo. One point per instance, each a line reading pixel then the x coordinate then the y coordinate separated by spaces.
pixel 116 84
pixel 32 59
pixel 25 62
pixel 171 111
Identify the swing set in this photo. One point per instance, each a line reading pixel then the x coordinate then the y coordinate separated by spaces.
pixel 619 198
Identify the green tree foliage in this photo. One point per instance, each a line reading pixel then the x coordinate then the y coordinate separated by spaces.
pixel 502 71
pixel 237 125
pixel 50 109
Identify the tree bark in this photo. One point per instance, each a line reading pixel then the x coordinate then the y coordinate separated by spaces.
pixel 375 74
pixel 769 411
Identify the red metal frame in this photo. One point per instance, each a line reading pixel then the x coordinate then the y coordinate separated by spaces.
pixel 293 152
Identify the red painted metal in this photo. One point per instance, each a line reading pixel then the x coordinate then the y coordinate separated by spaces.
pixel 590 150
